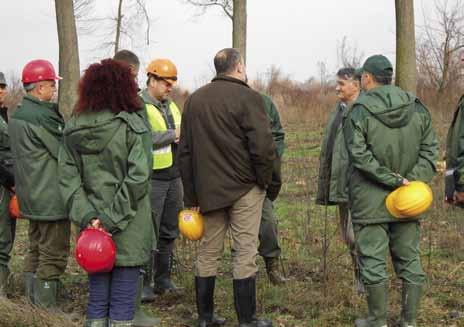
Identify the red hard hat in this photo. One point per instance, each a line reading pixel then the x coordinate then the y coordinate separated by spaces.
pixel 39 70
pixel 95 251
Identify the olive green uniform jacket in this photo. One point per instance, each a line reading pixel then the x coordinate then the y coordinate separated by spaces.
pixel 455 147
pixel 278 135
pixel 105 166
pixel 389 137
pixel 333 167
pixel 35 130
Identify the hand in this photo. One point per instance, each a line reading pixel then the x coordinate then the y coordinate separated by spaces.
pixel 405 181
pixel 197 209
pixel 177 130
pixel 458 197
pixel 95 223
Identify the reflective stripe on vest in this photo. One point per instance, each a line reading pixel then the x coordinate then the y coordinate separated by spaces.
pixel 162 157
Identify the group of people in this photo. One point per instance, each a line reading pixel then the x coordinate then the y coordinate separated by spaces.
pixel 129 160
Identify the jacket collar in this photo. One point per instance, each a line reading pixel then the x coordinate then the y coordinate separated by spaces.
pixel 229 79
pixel 47 104
pixel 147 98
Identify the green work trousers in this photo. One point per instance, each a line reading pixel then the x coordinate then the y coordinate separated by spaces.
pixel 374 241
pixel 268 236
pixel 48 252
pixel 7 227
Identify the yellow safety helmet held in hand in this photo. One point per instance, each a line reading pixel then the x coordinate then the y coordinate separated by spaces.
pixel 409 201
pixel 163 68
pixel 191 224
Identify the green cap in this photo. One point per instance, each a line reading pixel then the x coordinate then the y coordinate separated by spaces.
pixel 377 65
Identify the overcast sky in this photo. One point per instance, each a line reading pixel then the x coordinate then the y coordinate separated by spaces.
pixel 293 35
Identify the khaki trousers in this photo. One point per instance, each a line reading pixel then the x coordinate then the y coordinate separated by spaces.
pixel 48 252
pixel 243 218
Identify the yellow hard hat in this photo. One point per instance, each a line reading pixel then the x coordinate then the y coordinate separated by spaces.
pixel 163 68
pixel 409 200
pixel 191 224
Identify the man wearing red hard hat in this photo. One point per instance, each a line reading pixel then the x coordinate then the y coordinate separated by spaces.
pixel 35 131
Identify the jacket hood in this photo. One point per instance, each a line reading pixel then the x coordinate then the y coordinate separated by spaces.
pixel 91 132
pixel 389 104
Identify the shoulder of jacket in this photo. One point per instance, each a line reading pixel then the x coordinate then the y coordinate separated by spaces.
pixel 134 121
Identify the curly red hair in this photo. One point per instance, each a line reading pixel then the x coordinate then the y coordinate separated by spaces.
pixel 108 84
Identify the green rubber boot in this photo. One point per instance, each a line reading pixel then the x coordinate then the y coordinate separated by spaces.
pixel 4 274
pixel 45 293
pixel 96 322
pixel 142 319
pixel 410 304
pixel 29 286
pixel 377 307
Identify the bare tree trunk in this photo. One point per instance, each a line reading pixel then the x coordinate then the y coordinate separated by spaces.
pixel 239 29
pixel 69 55
pixel 405 46
pixel 118 27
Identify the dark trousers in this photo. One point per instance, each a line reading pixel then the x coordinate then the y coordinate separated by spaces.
pixel 113 294
pixel 167 202
pixel 7 227
pixel 48 248
pixel 268 236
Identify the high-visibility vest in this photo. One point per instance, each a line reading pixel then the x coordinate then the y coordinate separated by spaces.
pixel 162 157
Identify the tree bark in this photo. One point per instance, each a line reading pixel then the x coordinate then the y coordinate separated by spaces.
pixel 239 26
pixel 68 56
pixel 118 27
pixel 405 46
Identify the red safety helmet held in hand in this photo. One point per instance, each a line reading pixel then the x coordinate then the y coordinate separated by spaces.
pixel 95 251
pixel 39 70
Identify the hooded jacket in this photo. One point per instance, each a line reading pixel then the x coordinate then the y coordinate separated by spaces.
pixel 455 147
pixel 35 130
pixel 104 172
pixel 389 137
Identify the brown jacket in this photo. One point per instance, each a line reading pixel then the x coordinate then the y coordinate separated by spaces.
pixel 226 144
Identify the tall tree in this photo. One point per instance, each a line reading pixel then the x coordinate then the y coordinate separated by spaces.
pixel 239 30
pixel 405 45
pixel 236 10
pixel 68 55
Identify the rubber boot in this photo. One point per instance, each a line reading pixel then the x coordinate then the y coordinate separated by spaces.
pixel 410 304
pixel 245 303
pixel 148 294
pixel 29 286
pixel 204 290
pixel 377 307
pixel 96 322
pixel 4 274
pixel 272 269
pixel 45 293
pixel 118 323
pixel 141 318
pixel 162 268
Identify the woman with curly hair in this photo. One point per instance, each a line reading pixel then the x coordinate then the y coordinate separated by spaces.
pixel 104 169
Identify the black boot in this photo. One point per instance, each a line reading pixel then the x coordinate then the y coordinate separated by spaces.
pixel 245 303
pixel 148 294
pixel 162 268
pixel 204 290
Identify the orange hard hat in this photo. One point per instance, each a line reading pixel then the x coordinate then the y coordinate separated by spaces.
pixel 163 68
